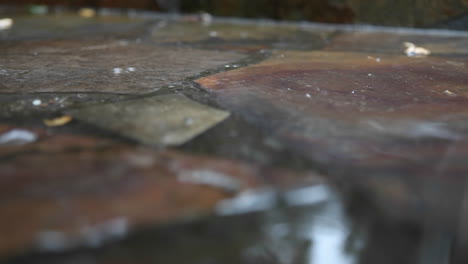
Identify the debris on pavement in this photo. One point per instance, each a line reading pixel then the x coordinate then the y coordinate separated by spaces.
pixel 59 121
pixel 87 12
pixel 449 93
pixel 415 51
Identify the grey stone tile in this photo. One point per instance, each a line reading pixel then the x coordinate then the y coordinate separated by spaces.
pixel 159 120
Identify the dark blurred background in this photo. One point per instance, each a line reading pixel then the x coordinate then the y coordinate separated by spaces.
pixel 409 13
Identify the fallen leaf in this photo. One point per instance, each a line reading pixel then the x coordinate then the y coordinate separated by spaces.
pixel 59 121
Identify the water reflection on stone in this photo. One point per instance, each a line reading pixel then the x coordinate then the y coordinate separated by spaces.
pixel 314 232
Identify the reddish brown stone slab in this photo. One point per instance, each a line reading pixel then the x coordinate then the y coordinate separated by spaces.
pixel 352 86
pixel 364 119
pixel 65 191
pixel 69 192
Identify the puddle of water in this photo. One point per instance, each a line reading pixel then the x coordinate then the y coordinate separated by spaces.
pixel 291 230
pixel 315 231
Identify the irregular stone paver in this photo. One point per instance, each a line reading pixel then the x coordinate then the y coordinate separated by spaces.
pixel 351 86
pixel 397 118
pixel 101 66
pixel 66 191
pixel 157 120
pixel 224 36
pixel 66 26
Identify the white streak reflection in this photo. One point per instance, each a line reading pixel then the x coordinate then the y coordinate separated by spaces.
pixel 17 137
pixel 328 235
pixel 248 202
pixel 307 195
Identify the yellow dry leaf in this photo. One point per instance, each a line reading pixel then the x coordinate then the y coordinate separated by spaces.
pixel 87 12
pixel 59 121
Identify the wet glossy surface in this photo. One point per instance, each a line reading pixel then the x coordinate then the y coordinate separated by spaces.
pixel 372 115
pixel 319 144
pixel 92 183
pixel 115 66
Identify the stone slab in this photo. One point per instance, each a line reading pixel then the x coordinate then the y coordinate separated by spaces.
pixel 101 66
pixel 389 126
pixel 158 120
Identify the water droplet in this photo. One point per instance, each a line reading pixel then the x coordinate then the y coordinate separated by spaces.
pixel 6 23
pixel 37 102
pixel 206 19
pixel 449 93
pixel 189 121
pixel 414 51
pixel 124 43
pixel 117 70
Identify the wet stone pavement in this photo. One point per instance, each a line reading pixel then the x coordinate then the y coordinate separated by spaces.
pixel 176 139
